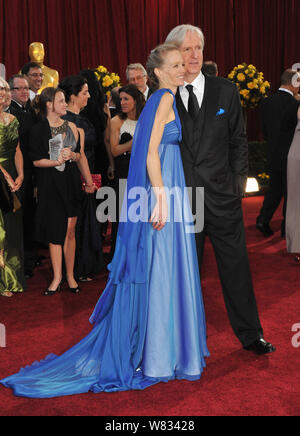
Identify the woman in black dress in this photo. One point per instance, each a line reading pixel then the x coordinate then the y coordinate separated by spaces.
pixel 89 255
pixel 59 185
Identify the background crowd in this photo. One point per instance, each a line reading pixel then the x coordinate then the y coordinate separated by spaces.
pixel 48 204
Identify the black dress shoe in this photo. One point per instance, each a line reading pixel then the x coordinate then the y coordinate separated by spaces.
pixel 264 228
pixel 260 346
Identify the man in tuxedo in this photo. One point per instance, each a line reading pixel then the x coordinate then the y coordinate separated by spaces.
pixel 137 75
pixel 34 76
pixel 279 121
pixel 21 108
pixel 215 156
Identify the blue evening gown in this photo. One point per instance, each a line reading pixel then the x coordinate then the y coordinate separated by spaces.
pixel 149 323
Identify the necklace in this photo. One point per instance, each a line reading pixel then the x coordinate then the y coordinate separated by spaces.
pixel 60 129
pixel 4 118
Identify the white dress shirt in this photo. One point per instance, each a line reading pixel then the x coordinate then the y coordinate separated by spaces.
pixel 199 86
pixel 146 93
pixel 32 94
pixel 286 90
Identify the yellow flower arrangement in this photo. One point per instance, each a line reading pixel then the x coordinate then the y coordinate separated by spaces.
pixel 250 83
pixel 264 176
pixel 107 80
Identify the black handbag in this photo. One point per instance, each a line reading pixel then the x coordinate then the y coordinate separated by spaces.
pixel 6 197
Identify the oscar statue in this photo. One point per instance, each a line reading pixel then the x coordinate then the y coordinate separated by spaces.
pixel 37 54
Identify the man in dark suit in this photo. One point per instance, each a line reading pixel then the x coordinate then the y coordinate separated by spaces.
pixel 21 108
pixel 137 75
pixel 215 156
pixel 279 121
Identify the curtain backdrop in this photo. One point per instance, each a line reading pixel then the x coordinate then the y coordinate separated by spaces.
pixel 85 33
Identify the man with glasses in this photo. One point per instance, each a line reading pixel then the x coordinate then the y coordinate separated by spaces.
pixel 137 75
pixel 35 76
pixel 21 108
pixel 19 88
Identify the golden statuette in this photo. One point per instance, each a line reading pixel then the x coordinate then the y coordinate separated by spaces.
pixel 37 54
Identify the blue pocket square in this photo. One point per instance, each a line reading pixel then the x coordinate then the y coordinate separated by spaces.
pixel 221 112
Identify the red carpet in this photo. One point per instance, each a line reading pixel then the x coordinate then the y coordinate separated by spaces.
pixel 235 382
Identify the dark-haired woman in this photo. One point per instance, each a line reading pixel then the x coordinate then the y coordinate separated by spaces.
pixel 59 185
pixel 122 130
pixel 89 255
pixel 97 112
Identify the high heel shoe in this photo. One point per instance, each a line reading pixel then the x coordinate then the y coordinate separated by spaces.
pixel 75 290
pixel 297 259
pixel 49 293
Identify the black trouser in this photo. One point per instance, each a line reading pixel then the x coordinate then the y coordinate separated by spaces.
pixel 273 197
pixel 228 239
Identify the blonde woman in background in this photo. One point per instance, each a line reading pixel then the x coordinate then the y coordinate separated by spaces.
pixel 11 166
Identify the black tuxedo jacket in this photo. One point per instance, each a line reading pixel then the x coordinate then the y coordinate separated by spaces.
pixel 279 121
pixel 27 118
pixel 150 92
pixel 214 147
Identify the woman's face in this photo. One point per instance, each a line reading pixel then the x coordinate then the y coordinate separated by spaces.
pixel 2 95
pixel 59 104
pixel 8 98
pixel 171 74
pixel 81 100
pixel 128 103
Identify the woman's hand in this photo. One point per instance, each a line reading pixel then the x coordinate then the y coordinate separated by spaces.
pixel 111 173
pixel 67 154
pixel 10 181
pixel 159 215
pixel 90 189
pixel 18 183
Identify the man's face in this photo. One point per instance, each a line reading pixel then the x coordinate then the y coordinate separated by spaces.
pixel 35 79
pixel 138 78
pixel 192 52
pixel 20 91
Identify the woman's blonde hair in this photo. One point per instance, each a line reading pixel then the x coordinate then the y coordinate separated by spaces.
pixel 156 60
pixel 4 84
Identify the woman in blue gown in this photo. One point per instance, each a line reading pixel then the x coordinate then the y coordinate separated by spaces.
pixel 149 323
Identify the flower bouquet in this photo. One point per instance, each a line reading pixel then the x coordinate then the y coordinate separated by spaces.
pixel 108 81
pixel 251 84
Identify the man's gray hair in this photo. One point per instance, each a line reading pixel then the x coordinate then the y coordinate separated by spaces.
pixel 135 67
pixel 178 34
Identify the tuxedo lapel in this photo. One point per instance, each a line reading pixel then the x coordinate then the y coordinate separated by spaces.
pixel 208 113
